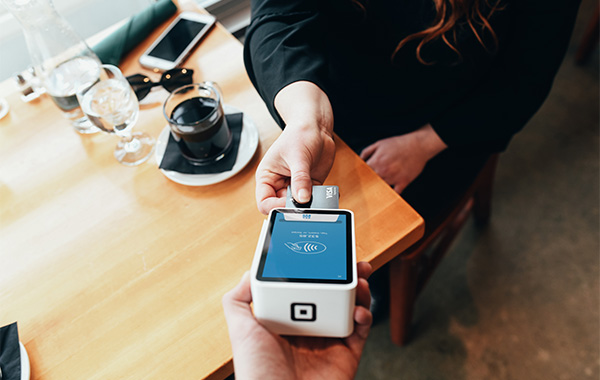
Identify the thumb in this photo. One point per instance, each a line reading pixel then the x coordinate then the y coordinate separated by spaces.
pixel 301 183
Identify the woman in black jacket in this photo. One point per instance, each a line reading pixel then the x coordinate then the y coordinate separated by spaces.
pixel 424 90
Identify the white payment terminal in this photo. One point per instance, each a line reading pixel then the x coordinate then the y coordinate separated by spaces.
pixel 304 275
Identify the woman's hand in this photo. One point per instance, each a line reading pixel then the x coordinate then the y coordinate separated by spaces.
pixel 400 159
pixel 304 152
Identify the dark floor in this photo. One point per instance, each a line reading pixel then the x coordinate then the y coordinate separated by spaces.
pixel 520 299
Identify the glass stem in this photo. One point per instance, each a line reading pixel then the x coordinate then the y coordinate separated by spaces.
pixel 130 143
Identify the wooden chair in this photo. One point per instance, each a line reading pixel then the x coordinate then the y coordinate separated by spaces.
pixel 589 40
pixel 410 270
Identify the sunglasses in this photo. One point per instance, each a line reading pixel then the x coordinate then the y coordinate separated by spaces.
pixel 170 80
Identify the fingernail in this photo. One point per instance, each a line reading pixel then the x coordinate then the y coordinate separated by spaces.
pixel 303 196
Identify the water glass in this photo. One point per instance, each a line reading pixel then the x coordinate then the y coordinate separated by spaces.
pixel 111 105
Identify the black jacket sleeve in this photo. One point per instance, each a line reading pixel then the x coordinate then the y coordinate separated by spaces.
pixel 521 77
pixel 287 41
pixel 282 46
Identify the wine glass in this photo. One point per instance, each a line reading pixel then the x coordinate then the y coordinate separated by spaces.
pixel 111 105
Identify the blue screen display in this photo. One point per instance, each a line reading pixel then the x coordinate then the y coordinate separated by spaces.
pixel 308 246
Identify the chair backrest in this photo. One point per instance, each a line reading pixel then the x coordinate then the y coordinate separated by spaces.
pixel 410 271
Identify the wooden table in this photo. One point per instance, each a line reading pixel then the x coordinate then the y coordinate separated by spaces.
pixel 116 272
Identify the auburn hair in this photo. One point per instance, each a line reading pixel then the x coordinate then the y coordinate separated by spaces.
pixel 449 14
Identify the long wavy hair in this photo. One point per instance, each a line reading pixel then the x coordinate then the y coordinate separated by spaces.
pixel 449 14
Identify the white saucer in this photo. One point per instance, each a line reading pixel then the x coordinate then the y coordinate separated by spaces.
pixel 24 363
pixel 248 145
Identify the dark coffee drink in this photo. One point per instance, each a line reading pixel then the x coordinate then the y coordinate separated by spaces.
pixel 201 129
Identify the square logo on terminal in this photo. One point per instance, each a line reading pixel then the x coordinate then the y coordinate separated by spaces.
pixel 304 312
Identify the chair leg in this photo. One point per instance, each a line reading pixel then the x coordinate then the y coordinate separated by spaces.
pixel 403 291
pixel 482 207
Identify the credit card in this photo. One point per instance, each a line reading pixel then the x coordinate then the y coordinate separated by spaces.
pixel 322 197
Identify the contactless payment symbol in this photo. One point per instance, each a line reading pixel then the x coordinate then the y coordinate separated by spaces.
pixel 307 247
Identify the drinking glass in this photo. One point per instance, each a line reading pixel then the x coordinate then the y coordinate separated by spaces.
pixel 198 123
pixel 61 59
pixel 111 105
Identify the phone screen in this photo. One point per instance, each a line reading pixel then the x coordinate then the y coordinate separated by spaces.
pixel 177 39
pixel 308 246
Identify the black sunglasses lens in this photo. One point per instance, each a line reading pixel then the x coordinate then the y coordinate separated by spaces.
pixel 175 78
pixel 141 85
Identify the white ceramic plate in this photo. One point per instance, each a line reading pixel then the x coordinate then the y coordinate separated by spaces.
pixel 24 363
pixel 247 148
pixel 3 107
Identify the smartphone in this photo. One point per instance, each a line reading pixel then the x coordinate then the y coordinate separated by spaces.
pixel 177 41
pixel 308 245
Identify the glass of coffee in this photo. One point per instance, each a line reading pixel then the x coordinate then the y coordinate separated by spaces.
pixel 197 122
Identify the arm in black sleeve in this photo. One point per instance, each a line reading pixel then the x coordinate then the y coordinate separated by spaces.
pixel 518 83
pixel 284 44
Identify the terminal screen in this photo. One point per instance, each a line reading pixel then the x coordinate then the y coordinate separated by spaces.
pixel 308 246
